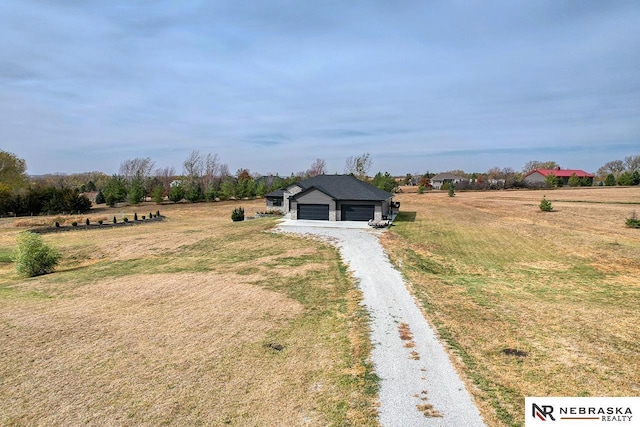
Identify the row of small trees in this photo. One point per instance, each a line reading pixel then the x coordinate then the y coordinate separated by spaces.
pixel 625 178
pixel 243 185
pixel 47 200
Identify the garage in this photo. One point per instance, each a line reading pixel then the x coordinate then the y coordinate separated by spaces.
pixel 357 212
pixel 314 212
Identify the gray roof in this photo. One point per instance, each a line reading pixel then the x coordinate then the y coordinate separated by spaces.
pixel 447 175
pixel 276 193
pixel 345 187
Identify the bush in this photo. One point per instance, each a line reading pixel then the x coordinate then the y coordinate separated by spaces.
pixel 157 213
pixel 545 205
pixel 100 222
pixel 57 224
pixel 136 192
pixel 87 222
pixel 176 194
pixel 237 214
pixel 33 257
pixel 452 192
pixel 100 198
pixel 625 178
pixel 158 194
pixel 210 194
pixel 574 181
pixel 135 216
pixel 144 217
pixel 421 189
pixel 115 221
pixel 633 221
pixel 125 219
pixel 193 192
pixel 74 224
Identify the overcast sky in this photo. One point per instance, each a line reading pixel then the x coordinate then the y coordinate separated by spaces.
pixel 272 85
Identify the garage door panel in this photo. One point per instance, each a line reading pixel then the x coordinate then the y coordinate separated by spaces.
pixel 314 212
pixel 357 212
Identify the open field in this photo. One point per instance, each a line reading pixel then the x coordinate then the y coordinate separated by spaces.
pixel 530 303
pixel 192 321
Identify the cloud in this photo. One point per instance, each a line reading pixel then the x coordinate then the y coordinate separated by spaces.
pixel 341 133
pixel 268 140
pixel 326 80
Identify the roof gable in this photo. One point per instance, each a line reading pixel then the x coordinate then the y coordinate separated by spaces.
pixel 309 190
pixel 561 173
pixel 345 187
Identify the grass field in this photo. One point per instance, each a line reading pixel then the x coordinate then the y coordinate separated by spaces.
pixel 181 322
pixel 530 303
pixel 192 321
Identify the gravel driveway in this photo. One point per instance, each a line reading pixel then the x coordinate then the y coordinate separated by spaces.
pixel 414 368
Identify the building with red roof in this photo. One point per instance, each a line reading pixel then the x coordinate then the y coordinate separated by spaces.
pixel 538 176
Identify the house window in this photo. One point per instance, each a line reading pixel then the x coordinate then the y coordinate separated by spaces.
pixel 276 202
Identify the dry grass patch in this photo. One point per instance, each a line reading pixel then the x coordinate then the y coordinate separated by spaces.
pixel 196 321
pixel 157 346
pixel 530 303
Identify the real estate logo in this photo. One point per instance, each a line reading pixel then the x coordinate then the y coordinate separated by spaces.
pixel 543 412
pixel 582 411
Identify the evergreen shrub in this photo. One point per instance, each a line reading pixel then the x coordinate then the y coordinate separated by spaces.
pixel 633 221
pixel 237 214
pixel 33 257
pixel 545 205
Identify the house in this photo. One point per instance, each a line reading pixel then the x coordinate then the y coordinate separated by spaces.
pixel 445 178
pixel 274 200
pixel 538 176
pixel 332 198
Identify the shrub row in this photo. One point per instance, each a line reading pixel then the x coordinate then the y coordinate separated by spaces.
pixel 48 200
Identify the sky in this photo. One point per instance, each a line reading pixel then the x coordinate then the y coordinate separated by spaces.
pixel 273 85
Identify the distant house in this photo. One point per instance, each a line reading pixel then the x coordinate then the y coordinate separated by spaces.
pixel 496 182
pixel 332 198
pixel 538 176
pixel 446 178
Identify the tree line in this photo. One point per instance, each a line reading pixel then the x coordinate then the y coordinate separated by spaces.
pixel 19 197
pixel 205 178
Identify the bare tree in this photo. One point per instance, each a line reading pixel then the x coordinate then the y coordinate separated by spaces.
pixel 535 164
pixel 193 165
pixel 358 165
pixel 615 167
pixel 632 163
pixel 224 171
pixel 137 168
pixel 211 169
pixel 166 176
pixel 495 173
pixel 507 172
pixel 318 167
